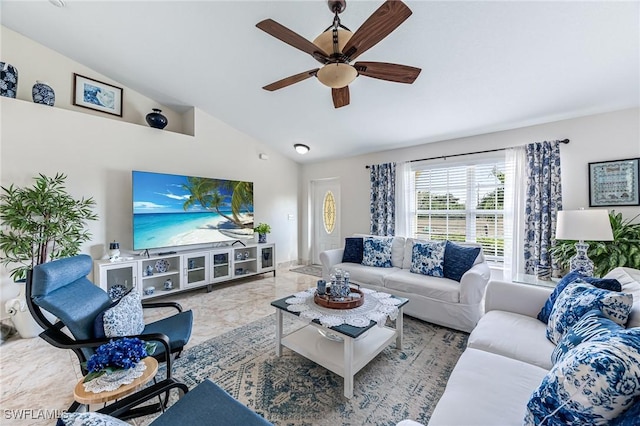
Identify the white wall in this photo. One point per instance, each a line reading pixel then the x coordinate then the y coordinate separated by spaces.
pixel 599 137
pixel 98 155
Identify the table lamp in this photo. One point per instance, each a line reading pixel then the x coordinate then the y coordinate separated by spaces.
pixel 581 225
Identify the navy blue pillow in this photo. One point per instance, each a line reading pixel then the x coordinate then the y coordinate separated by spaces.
pixel 629 417
pixel 458 260
pixel 605 284
pixel 353 249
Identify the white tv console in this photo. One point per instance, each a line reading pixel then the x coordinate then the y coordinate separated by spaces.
pixel 185 270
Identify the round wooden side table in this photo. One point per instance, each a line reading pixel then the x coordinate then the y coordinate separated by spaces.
pixel 88 398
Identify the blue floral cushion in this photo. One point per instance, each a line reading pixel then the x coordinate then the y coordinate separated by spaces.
pixel 592 324
pixel 377 252
pixel 353 250
pixel 592 385
pixel 428 258
pixel 579 298
pixel 458 260
pixel 89 419
pixel 605 283
pixel 125 318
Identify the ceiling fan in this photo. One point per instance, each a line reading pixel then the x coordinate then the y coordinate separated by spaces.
pixel 337 47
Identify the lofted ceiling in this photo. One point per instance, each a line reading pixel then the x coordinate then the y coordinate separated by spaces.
pixel 486 65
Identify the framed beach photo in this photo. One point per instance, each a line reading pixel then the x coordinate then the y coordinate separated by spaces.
pixel 94 94
pixel 614 183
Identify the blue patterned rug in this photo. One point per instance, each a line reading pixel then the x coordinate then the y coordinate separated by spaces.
pixel 314 270
pixel 292 390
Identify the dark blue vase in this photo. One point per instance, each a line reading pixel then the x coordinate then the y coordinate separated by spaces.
pixel 157 120
pixel 262 238
pixel 8 80
pixel 42 93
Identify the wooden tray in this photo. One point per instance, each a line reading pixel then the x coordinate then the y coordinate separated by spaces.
pixel 348 302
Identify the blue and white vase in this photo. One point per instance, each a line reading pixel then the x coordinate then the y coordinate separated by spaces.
pixel 42 93
pixel 8 80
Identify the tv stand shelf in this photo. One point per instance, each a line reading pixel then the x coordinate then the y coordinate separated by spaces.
pixel 160 275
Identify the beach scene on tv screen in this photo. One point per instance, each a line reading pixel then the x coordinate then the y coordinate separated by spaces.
pixel 175 210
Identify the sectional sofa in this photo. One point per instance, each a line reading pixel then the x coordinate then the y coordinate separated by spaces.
pixel 439 300
pixel 508 356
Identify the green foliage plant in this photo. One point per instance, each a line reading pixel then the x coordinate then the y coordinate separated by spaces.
pixel 41 223
pixel 262 228
pixel 624 250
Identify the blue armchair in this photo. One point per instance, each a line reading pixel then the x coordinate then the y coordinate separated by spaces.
pixel 61 287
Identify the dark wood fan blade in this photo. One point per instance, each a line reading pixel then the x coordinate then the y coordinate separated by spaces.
pixel 380 24
pixel 292 39
pixel 290 80
pixel 340 96
pixel 389 72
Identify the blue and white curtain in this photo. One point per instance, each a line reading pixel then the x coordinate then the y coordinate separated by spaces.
pixel 543 200
pixel 383 199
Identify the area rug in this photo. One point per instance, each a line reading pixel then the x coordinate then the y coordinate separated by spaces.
pixel 314 270
pixel 291 390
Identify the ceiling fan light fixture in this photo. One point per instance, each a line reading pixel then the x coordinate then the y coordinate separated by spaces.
pixel 337 75
pixel 325 40
pixel 301 148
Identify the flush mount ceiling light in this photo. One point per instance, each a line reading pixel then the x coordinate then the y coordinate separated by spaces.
pixel 58 3
pixel 301 148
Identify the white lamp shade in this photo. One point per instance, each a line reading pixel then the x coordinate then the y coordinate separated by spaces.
pixel 584 225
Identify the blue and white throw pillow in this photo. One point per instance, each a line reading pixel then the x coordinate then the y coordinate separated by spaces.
pixel 604 283
pixel 89 419
pixel 458 260
pixel 125 318
pixel 592 385
pixel 428 258
pixel 377 252
pixel 592 324
pixel 577 299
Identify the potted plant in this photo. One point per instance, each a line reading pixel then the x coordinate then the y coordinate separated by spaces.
pixel 38 224
pixel 624 250
pixel 262 229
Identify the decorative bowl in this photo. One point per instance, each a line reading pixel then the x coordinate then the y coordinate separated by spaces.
pixel 117 291
pixel 162 265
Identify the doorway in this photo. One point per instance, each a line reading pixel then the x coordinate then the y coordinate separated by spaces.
pixel 325 217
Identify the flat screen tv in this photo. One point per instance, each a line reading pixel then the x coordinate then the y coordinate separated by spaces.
pixel 176 210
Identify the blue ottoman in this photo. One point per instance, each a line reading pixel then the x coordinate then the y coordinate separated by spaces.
pixel 208 404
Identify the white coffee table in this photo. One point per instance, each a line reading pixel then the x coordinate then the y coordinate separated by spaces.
pixel 345 358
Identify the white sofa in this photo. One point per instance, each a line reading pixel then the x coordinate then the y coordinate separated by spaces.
pixel 508 355
pixel 440 301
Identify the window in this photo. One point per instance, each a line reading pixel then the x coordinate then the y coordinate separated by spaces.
pixel 462 202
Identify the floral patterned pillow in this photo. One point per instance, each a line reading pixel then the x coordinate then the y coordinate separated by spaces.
pixel 377 252
pixel 126 318
pixel 428 258
pixel 89 419
pixel 577 299
pixel 593 324
pixel 592 385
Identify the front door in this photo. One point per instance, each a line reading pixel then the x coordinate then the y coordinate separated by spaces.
pixel 326 216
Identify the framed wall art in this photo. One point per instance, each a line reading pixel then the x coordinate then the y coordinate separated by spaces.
pixel 614 183
pixel 94 94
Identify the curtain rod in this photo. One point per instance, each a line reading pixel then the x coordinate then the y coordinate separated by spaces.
pixel 565 141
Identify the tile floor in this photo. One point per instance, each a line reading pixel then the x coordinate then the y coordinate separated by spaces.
pixel 36 379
